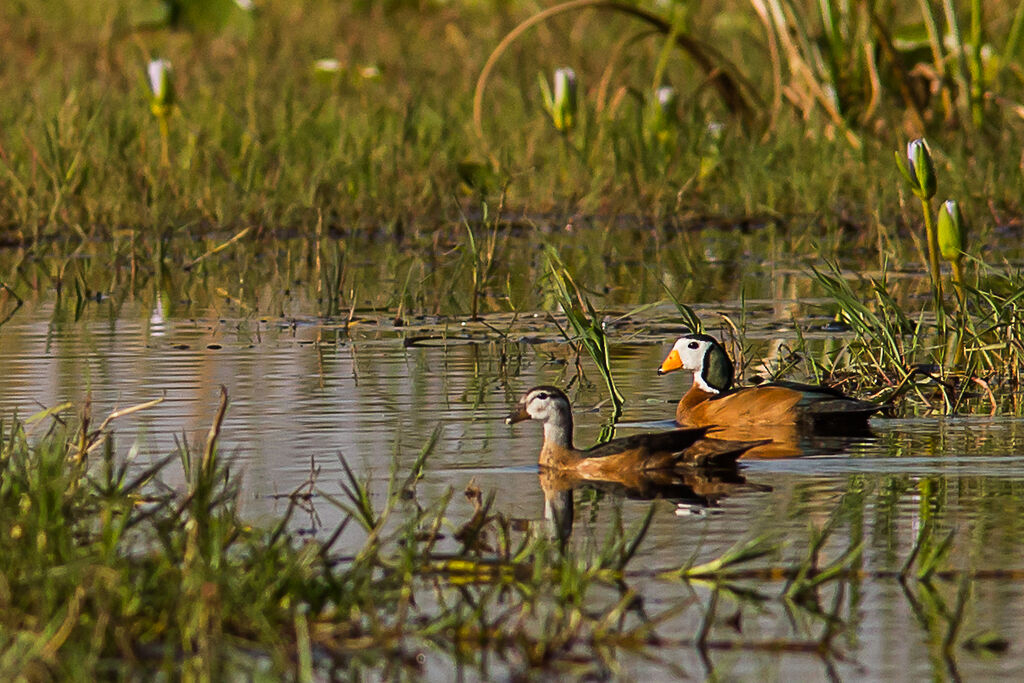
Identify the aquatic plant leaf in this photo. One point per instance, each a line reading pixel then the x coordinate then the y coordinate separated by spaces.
pixel 744 551
pixel 904 170
pixel 582 318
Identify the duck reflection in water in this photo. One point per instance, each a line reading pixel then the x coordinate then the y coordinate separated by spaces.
pixel 695 492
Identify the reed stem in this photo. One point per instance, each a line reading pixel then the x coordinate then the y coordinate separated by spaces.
pixel 933 259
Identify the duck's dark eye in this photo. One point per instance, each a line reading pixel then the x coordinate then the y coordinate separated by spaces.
pixel 542 396
pixel 694 345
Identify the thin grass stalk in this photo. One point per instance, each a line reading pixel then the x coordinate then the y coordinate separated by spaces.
pixel 586 327
pixel 686 313
pixel 360 504
pixel 636 538
pixel 956 619
pixel 1013 38
pixel 416 470
pixel 736 93
pixel 976 69
pixel 775 59
pixel 962 74
pixel 810 565
pixel 678 15
pixel 837 567
pixel 165 144
pixel 303 648
pixel 884 40
pixel 933 555
pixel 709 616
pixel 938 54
pixel 800 56
pixel 209 462
pixel 744 551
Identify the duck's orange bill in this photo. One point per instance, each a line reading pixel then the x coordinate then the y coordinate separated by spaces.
pixel 517 415
pixel 673 362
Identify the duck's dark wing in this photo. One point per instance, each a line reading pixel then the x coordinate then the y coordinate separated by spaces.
pixel 827 399
pixel 672 441
pixel 828 408
pixel 718 452
pixel 850 406
pixel 808 389
pixel 847 417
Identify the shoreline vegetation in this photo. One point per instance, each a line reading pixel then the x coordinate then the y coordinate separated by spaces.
pixel 304 117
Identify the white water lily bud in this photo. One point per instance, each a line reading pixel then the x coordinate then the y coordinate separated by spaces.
pixel 668 98
pixel 918 169
pixel 159 71
pixel 161 88
pixel 661 118
pixel 562 103
pixel 952 231
pixel 327 66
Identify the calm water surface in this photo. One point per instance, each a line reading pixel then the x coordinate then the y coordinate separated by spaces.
pixel 303 393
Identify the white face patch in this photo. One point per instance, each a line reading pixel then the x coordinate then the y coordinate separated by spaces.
pixel 692 353
pixel 542 405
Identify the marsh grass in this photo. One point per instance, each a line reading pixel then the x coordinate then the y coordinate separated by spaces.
pixel 272 192
pixel 889 344
pixel 378 143
pixel 382 152
pixel 587 329
pixel 952 360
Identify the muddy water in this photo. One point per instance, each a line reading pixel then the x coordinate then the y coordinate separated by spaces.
pixel 302 393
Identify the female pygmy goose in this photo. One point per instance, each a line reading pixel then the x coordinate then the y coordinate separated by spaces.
pixel 638 453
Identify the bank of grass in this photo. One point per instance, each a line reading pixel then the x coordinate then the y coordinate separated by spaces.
pixel 387 143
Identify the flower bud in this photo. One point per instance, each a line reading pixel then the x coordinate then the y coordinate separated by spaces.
pixel 952 230
pixel 161 86
pixel 327 66
pixel 918 170
pixel 668 99
pixel 562 104
pixel 920 157
pixel 661 118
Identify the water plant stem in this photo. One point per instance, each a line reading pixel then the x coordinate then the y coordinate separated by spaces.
pixel 958 280
pixel 165 154
pixel 934 268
